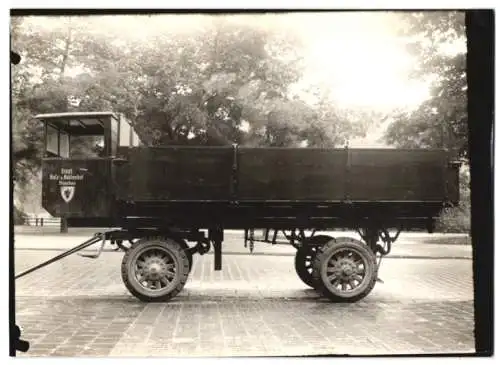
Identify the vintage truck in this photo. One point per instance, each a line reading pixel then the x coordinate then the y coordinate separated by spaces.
pixel 161 205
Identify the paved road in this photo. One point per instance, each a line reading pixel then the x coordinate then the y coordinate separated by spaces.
pixel 255 306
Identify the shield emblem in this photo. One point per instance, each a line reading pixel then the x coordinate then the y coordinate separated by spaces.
pixel 67 193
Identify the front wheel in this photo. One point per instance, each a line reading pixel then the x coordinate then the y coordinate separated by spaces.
pixel 155 269
pixel 345 270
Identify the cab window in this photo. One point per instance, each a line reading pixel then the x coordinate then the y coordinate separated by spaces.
pixel 57 142
pixel 75 139
pixel 87 146
pixel 114 136
pixel 124 134
pixel 128 137
pixel 64 144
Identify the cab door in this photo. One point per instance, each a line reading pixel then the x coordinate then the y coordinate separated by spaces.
pixel 127 140
pixel 77 188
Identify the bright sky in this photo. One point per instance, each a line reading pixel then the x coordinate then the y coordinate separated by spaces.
pixel 361 58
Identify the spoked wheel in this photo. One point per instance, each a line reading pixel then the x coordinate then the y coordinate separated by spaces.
pixel 345 270
pixel 155 270
pixel 305 256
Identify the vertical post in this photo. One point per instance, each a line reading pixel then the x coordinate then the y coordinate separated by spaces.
pixel 64 225
pixel 275 235
pixel 217 236
pixel 347 172
pixel 234 174
pixel 370 236
pixel 217 255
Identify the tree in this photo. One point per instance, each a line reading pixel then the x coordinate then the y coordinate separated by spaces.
pixel 437 40
pixel 227 81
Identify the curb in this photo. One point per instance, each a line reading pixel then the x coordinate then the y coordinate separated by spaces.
pixel 437 239
pixel 283 254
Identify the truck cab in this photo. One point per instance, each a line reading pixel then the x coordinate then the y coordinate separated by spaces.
pixel 79 158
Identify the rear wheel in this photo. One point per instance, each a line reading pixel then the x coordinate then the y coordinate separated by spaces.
pixel 155 269
pixel 345 270
pixel 304 258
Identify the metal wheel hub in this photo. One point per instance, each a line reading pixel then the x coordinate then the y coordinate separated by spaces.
pixel 344 273
pixel 155 269
pixel 347 268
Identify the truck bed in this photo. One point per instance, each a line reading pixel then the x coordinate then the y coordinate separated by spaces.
pixel 286 175
pixel 284 187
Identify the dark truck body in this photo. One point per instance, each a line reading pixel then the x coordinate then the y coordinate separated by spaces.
pixel 159 199
pixel 237 187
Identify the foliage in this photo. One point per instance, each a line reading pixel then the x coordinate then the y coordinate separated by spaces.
pixel 19 216
pixel 441 121
pixel 457 219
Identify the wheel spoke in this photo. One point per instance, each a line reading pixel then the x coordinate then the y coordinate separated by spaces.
pixel 334 276
pixel 140 263
pixel 358 262
pixel 164 280
pixel 344 286
pixel 352 284
pixel 359 271
pixel 332 262
pixel 357 277
pixel 336 282
pixel 168 260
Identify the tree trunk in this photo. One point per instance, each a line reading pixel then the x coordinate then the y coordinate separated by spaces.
pixel 66 53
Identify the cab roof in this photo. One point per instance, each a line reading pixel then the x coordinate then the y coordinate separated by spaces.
pixel 74 115
pixel 79 123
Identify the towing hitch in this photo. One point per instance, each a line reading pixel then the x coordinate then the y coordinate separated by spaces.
pixel 96 255
pixel 97 237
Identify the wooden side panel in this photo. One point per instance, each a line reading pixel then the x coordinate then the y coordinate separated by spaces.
pixel 180 173
pixel 76 188
pixel 339 174
pixel 396 175
pixel 291 174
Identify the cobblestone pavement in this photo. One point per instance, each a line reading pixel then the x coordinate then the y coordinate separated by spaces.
pixel 255 306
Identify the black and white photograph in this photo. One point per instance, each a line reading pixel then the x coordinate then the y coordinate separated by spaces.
pixel 245 183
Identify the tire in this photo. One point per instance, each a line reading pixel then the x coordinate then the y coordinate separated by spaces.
pixel 164 252
pixel 304 258
pixel 346 269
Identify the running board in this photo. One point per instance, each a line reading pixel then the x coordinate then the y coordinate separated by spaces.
pixel 97 237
